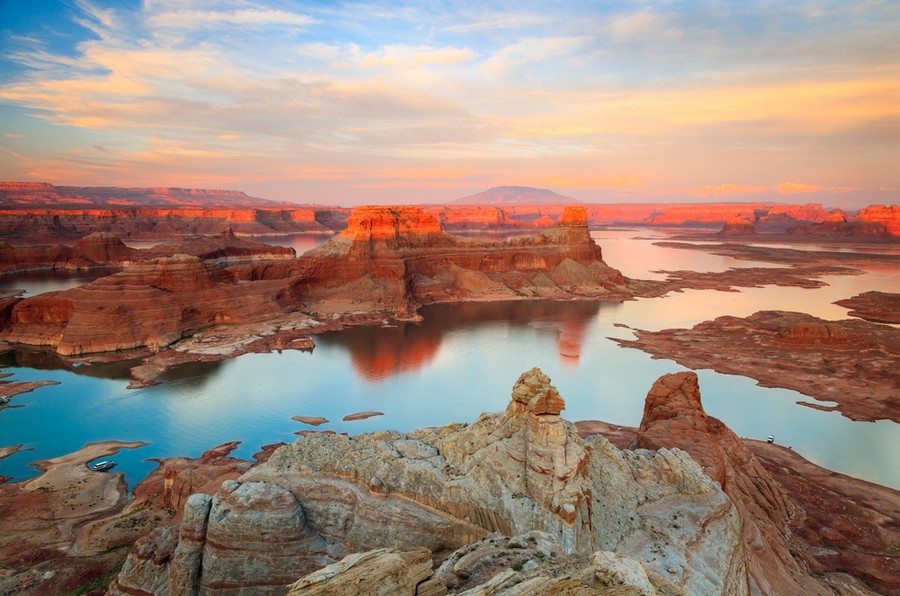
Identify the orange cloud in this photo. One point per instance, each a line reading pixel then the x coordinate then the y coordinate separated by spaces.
pixel 726 190
pixel 793 188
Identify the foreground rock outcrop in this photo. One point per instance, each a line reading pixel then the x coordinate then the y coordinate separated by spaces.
pixel 806 530
pixel 327 496
pixel 674 417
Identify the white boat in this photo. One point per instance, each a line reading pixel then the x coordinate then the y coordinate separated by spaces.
pixel 102 466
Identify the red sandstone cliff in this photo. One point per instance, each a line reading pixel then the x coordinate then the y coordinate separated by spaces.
pixel 389 259
pixel 872 221
pixel 738 226
pixel 400 256
pixel 28 210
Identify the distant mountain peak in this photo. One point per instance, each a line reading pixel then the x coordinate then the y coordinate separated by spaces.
pixel 516 195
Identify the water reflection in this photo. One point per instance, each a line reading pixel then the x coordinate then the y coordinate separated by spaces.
pixel 461 361
pixel 378 353
pixel 47 359
pixel 299 242
pixel 52 280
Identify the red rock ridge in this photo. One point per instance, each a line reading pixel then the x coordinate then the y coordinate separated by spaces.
pixel 389 259
pixel 738 226
pixel 674 417
pixel 888 216
pixel 401 257
pixel 875 220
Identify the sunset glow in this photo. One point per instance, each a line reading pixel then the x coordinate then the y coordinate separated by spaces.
pixel 351 103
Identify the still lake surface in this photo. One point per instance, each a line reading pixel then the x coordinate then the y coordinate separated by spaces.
pixel 461 361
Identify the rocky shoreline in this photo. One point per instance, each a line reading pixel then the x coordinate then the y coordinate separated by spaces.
pixel 850 362
pixel 562 501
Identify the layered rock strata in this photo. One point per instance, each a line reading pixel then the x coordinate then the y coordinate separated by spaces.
pixel 875 220
pixel 150 304
pixel 326 496
pixel 850 362
pixel 388 260
pixel 674 418
pixel 877 307
pixel 106 250
pixel 400 256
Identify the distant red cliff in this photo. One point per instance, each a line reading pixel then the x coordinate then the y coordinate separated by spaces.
pixel 45 212
pixel 389 259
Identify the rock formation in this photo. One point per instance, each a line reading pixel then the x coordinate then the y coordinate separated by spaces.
pixel 400 256
pixel 872 221
pixel 889 216
pixel 878 307
pixel 36 209
pixel 738 226
pixel 389 259
pixel 149 304
pixel 106 250
pixel 674 417
pixel 860 358
pixel 327 496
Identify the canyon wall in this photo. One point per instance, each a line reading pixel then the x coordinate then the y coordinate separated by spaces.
pixel 389 259
pixel 401 256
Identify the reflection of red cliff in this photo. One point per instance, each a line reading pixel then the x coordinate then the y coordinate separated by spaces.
pixel 572 332
pixel 386 354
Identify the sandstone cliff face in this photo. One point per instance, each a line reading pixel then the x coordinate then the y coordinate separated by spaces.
pixel 738 226
pixel 889 216
pixel 872 221
pixel 100 249
pixel 326 496
pixel 674 417
pixel 149 304
pixel 399 256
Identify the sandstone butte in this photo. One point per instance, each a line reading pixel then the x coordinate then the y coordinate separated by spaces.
pixel 514 503
pixel 388 261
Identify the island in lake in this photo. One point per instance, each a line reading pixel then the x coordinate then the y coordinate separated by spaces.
pixel 513 502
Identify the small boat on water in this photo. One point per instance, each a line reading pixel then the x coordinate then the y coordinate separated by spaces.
pixel 103 466
pixel 4 400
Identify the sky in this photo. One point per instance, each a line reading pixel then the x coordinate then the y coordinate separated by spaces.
pixel 354 102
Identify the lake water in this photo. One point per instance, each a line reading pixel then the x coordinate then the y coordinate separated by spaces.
pixel 463 360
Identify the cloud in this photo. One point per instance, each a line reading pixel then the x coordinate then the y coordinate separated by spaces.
pixel 13 135
pixel 210 19
pixel 415 56
pixel 487 19
pixel 620 97
pixel 727 190
pixel 793 188
pixel 533 50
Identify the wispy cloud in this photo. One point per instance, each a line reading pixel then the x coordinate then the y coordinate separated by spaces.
pixel 210 19
pixel 628 98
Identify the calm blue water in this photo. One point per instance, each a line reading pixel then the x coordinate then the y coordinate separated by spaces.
pixel 463 360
